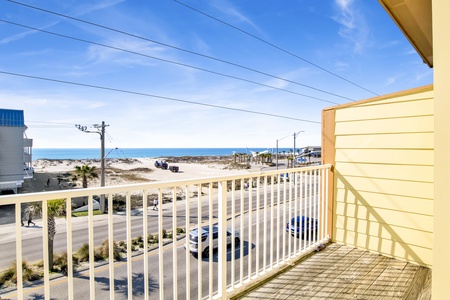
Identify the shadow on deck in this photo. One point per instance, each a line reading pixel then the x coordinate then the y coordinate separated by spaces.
pixel 345 272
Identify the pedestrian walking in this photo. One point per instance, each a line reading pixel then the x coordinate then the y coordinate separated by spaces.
pixel 30 219
pixel 246 185
pixel 155 204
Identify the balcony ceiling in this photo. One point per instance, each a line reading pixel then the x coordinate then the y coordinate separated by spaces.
pixel 413 17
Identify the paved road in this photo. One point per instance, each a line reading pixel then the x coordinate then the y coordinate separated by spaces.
pixel 32 238
pixel 251 262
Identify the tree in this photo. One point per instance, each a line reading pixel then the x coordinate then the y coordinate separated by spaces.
pixel 55 208
pixel 290 161
pixel 85 172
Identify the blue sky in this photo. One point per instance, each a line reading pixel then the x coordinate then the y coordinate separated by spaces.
pixel 353 39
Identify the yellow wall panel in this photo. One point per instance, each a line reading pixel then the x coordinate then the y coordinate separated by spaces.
pixel 385 216
pixel 387 231
pixel 385 186
pixel 397 125
pixel 386 141
pixel 393 202
pixel 386 156
pixel 391 110
pixel 397 172
pixel 428 94
pixel 384 175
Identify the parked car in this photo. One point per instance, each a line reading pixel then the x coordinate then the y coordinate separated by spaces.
pixel 163 165
pixel 302 225
pixel 205 238
pixel 174 168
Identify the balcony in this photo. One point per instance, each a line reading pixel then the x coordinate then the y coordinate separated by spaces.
pixel 145 251
pixel 253 244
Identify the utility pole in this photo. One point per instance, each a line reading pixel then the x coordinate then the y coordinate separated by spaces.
pixel 101 131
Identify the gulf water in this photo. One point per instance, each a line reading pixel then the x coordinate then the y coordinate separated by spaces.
pixel 94 153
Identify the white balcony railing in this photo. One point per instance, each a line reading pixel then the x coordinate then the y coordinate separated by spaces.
pixel 167 270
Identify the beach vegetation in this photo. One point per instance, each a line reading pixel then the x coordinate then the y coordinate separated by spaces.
pixel 84 173
pixel 103 251
pixel 181 230
pixel 55 208
pixel 85 213
pixel 9 276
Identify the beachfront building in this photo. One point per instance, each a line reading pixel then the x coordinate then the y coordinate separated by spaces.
pixel 15 150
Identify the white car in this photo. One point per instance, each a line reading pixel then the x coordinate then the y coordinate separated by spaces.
pixel 205 236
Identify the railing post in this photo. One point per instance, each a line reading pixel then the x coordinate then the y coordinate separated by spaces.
pixel 222 263
pixel 19 275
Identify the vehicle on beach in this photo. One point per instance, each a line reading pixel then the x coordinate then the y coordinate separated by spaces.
pixel 174 168
pixel 302 225
pixel 163 165
pixel 205 238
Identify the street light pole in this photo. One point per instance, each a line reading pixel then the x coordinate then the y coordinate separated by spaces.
pixel 295 135
pixel 277 147
pixel 277 155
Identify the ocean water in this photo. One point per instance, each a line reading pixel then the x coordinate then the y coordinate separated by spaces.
pixel 94 153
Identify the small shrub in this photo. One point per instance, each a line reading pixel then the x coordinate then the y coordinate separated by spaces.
pixel 181 230
pixel 10 274
pixel 82 253
pixel 103 251
pixel 155 239
pixel 164 234
pixel 60 262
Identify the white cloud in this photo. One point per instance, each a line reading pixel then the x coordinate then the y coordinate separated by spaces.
pixel 237 15
pixel 341 65
pixel 391 80
pixel 353 27
pixel 97 54
pixel 16 37
pixel 24 34
pixel 89 8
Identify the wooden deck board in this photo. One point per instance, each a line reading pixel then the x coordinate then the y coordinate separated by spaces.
pixel 344 272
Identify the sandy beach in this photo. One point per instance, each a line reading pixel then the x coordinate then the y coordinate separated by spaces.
pixel 138 170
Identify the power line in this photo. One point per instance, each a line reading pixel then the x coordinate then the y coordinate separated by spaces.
pixel 55 123
pixel 43 124
pixel 177 48
pixel 161 59
pixel 276 47
pixel 157 96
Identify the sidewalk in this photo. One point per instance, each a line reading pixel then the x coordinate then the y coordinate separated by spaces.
pixel 8 231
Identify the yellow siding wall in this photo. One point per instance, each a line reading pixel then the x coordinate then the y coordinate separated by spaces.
pixel 384 174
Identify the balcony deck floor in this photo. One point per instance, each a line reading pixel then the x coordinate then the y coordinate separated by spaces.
pixel 345 272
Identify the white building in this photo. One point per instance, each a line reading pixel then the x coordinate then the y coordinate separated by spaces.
pixel 15 150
